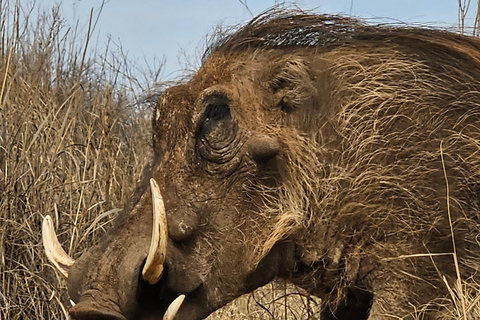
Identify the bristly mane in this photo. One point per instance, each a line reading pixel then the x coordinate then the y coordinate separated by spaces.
pixel 284 28
pixel 281 28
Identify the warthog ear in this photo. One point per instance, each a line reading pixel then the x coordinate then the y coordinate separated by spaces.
pixel 292 85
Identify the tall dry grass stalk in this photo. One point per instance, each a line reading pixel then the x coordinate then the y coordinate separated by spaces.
pixel 274 301
pixel 464 6
pixel 476 25
pixel 71 146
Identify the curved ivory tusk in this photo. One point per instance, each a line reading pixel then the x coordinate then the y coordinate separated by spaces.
pixel 152 271
pixel 173 308
pixel 53 249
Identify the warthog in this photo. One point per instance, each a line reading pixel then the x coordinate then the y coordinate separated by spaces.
pixel 342 157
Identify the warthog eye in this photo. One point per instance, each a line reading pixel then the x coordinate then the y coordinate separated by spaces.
pixel 214 113
pixel 217 131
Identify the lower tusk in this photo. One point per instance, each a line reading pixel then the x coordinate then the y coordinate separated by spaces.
pixel 53 249
pixel 173 308
pixel 153 269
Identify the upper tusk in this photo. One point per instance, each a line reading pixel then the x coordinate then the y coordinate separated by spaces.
pixel 53 249
pixel 153 269
pixel 173 308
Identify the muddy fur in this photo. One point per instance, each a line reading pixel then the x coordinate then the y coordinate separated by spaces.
pixel 408 159
pixel 341 157
pixel 376 182
pixel 373 203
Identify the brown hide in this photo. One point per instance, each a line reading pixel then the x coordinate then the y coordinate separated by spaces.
pixel 338 156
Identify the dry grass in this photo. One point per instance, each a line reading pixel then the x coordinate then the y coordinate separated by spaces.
pixel 276 300
pixel 70 146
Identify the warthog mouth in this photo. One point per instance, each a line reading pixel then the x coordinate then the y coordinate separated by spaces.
pixel 192 305
pixel 194 302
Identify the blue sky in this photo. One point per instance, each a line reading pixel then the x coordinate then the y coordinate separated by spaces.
pixel 151 30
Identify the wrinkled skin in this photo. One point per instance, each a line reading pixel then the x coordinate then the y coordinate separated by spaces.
pixel 204 148
pixel 324 165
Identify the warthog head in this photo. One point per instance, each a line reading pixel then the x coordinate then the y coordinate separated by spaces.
pixel 341 157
